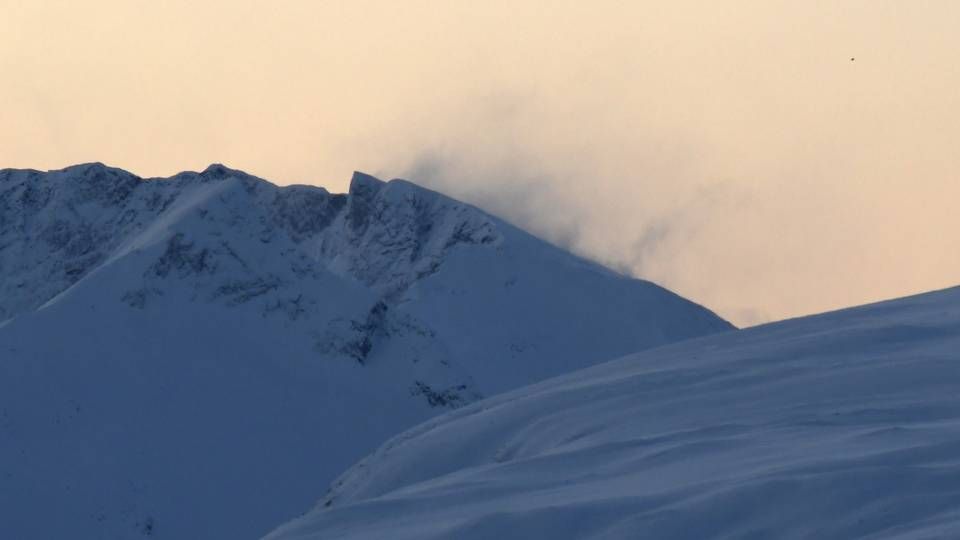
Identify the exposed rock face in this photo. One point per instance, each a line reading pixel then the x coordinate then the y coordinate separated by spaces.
pixel 57 227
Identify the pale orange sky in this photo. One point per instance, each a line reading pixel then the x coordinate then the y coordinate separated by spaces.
pixel 730 151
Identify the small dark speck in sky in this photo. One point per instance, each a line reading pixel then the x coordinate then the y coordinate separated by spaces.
pixel 852 59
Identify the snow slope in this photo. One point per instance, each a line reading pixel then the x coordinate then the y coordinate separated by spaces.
pixel 843 425
pixel 190 357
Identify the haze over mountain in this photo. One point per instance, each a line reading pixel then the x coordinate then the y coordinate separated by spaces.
pixel 838 426
pixel 192 357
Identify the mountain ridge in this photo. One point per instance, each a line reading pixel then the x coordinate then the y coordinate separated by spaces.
pixel 212 327
pixel 301 210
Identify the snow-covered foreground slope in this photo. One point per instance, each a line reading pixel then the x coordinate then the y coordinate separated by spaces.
pixel 190 357
pixel 843 425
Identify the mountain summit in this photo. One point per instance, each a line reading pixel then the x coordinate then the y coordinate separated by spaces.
pixel 191 357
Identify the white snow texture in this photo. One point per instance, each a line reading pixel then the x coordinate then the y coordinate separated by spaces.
pixel 838 426
pixel 197 357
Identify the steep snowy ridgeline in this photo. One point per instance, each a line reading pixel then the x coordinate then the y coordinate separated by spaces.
pixel 234 239
pixel 57 227
pixel 191 357
pixel 844 425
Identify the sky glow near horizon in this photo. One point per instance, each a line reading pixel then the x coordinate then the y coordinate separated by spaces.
pixel 766 158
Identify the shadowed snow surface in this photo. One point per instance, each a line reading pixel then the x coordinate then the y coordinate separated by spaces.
pixel 838 426
pixel 191 357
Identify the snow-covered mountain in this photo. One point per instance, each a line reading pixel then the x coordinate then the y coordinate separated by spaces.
pixel 844 425
pixel 191 357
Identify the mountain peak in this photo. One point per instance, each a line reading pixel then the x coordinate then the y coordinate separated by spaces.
pixel 219 170
pixel 365 185
pixel 93 169
pixel 85 167
pixel 192 311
